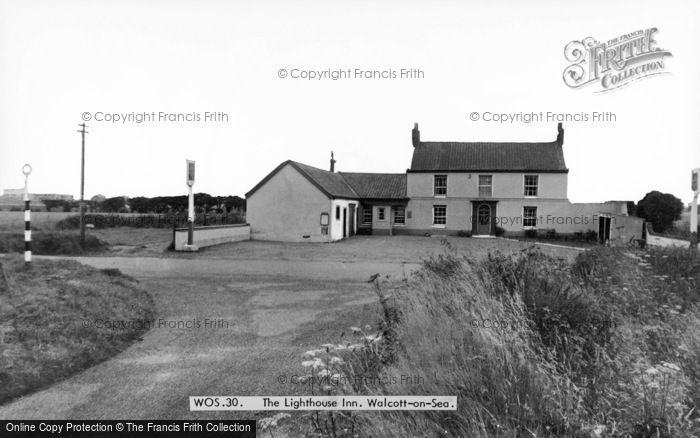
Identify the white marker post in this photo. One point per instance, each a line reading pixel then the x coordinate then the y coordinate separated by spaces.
pixel 26 170
pixel 695 187
pixel 190 208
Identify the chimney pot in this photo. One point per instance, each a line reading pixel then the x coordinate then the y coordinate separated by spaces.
pixel 415 135
pixel 560 134
pixel 332 162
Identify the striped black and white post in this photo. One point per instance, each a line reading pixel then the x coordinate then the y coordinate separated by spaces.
pixel 27 169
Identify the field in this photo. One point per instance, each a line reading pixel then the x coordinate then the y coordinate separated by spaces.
pixel 41 220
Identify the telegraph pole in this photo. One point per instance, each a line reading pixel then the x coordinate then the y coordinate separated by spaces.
pixel 82 131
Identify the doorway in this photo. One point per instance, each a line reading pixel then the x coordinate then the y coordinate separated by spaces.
pixel 483 219
pixel 345 222
pixel 604 229
pixel 352 220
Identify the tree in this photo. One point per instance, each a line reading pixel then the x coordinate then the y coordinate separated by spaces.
pixel 116 204
pixel 52 204
pixel 661 209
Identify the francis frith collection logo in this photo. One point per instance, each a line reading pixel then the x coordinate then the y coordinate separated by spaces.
pixel 614 63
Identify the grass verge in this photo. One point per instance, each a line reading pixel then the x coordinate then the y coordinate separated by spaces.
pixel 48 317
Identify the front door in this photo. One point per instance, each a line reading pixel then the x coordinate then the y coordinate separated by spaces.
pixel 604 229
pixel 352 219
pixel 483 219
pixel 345 222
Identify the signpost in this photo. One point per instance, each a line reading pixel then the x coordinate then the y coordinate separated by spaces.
pixel 26 170
pixel 695 187
pixel 190 208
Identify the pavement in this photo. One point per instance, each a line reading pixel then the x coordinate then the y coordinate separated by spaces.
pixel 223 327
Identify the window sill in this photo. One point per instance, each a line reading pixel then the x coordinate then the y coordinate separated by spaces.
pixel 440 196
pixel 439 226
pixel 398 225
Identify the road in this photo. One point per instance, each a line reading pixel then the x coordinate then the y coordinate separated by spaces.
pixel 255 317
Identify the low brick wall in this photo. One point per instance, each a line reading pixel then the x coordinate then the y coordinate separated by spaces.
pixel 664 241
pixel 213 235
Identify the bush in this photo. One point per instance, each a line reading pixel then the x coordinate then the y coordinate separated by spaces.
pixel 60 243
pixel 464 233
pixel 661 209
pixel 531 233
pixel 500 231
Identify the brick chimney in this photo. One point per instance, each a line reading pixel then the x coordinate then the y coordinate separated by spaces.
pixel 416 135
pixel 560 134
pixel 332 162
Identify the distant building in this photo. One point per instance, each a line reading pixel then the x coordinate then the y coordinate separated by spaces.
pixel 15 198
pixel 451 187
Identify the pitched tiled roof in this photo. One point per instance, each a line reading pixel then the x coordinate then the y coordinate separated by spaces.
pixel 347 185
pixel 331 183
pixel 377 185
pixel 431 156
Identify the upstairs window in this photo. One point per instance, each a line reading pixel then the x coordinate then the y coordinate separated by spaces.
pixel 440 185
pixel 485 186
pixel 531 183
pixel 380 214
pixel 399 214
pixel 529 216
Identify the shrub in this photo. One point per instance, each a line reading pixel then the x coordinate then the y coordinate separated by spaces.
pixel 52 243
pixel 500 231
pixel 661 209
pixel 464 233
pixel 531 233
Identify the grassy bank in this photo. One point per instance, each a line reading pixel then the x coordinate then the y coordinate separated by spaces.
pixel 48 320
pixel 531 345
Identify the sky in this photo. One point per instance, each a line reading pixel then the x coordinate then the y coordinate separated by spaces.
pixel 63 61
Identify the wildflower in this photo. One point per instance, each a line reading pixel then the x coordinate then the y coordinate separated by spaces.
pixel 355 329
pixel 327 388
pixel 670 366
pixel 335 360
pixel 651 371
pixel 323 373
pixel 653 385
pixel 304 379
pixel 308 363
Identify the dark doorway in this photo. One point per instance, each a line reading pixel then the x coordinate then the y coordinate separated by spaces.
pixel 352 220
pixel 483 219
pixel 345 222
pixel 603 229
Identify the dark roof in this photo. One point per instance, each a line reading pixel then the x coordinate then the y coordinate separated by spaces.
pixel 377 185
pixel 432 156
pixel 331 184
pixel 347 185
